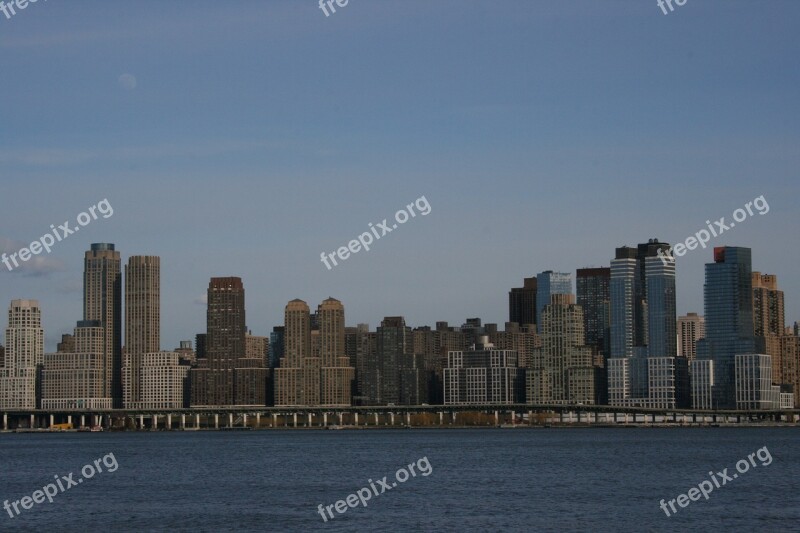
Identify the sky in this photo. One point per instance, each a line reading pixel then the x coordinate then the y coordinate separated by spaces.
pixel 246 138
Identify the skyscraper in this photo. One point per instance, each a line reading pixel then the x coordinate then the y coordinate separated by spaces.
pixel 482 375
pixel 522 303
pixel 562 370
pixel 769 320
pixel 142 321
pixel 296 380
pixel 102 302
pixel 622 288
pixel 691 328
pixel 24 352
pixel 661 310
pixel 547 284
pixel 336 373
pixel 395 351
pixel 644 369
pixel 728 292
pixel 229 377
pixel 593 290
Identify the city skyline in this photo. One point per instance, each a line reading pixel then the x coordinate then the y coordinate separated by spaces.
pixel 265 329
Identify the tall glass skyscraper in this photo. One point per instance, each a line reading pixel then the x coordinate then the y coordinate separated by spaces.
pixel 623 302
pixel 592 288
pixel 661 311
pixel 728 292
pixel 547 284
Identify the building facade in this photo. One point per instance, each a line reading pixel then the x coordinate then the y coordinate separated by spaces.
pixel 482 375
pixel 691 328
pixel 142 322
pixel 549 283
pixel 102 303
pixel 23 354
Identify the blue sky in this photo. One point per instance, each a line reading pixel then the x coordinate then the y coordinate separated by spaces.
pixel 246 138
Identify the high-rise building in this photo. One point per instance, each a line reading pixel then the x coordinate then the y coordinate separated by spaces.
pixel 644 369
pixel 336 373
pixel 522 303
pixel 395 351
pixel 77 380
pixel 297 380
pixel 24 353
pixel 691 328
pixel 622 288
pixel 229 377
pixel 142 321
pixel 769 320
pixel 728 292
pixel 102 302
pixel 593 286
pixel 482 375
pixel 165 381
pixel 547 284
pixel 661 309
pixel 562 370
pixel 276 346
pixel 2 356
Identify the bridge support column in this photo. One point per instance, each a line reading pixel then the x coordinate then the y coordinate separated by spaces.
pixel 83 420
pixel 309 419
pixel 33 421
pixel 197 421
pixel 274 419
pixel 244 421
pixel 51 421
pixel 408 418
pixel 230 420
pixel 356 418
pixel 69 419
pixel 325 419
pixel 295 419
pixel 183 421
pixel 376 418
pixel 496 418
pixel 155 422
pixel 454 418
pixel 341 417
pixel 441 418
pixel 561 416
pixel 391 415
pixel 216 421
pixel 258 420
pixel 169 422
pixel 5 421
